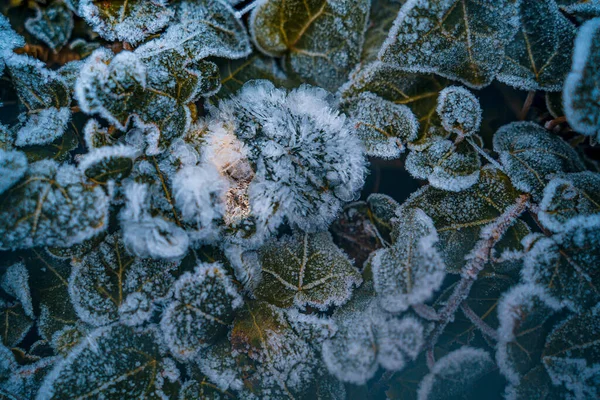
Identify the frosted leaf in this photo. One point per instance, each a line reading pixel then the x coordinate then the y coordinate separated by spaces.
pixel 463 40
pixel 13 166
pixel 368 337
pixel 15 282
pixel 530 153
pixel 112 362
pixel 108 284
pixel 64 340
pixel 9 39
pixel 454 374
pixel 15 323
pixel 446 165
pixel 205 28
pixel 459 217
pixel 44 127
pixel 37 86
pixel 417 91
pixel 410 270
pixel 381 19
pixel 6 138
pixel 52 25
pixel 234 73
pixel 53 206
pixel 25 380
pixel 384 127
pixel 218 362
pixel 125 21
pixel 554 104
pixel 582 9
pixel 572 352
pixel 321 40
pixel 294 137
pixel 567 263
pixel 535 384
pixel 203 307
pixel 383 210
pixel 194 389
pixel 108 163
pixel 523 312
pixel 273 358
pixel 148 236
pixel 305 270
pixel 538 57
pixel 459 111
pixel 569 199
pixel 7 362
pixel 580 94
pixel 59 150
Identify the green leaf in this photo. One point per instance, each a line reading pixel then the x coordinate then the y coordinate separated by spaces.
pixel 567 263
pixel 463 40
pixel 108 284
pixel 538 57
pixel 44 127
pixel 59 150
pixel 410 270
pixel 383 211
pixel 459 111
pixel 52 25
pixel 305 270
pixel 525 313
pixel 384 127
pixel 581 95
pixel 108 163
pixel 52 206
pixel 460 216
pixel 568 199
pixel 113 362
pixel 203 307
pixel 454 374
pixel 381 19
pixel 13 165
pixel 581 9
pixel 530 155
pixel 125 20
pixel 536 384
pixel 417 91
pixel 15 322
pixel 446 165
pixel 305 32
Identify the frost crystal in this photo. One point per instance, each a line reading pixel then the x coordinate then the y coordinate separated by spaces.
pixel 13 165
pixel 459 111
pixel 52 25
pixel 202 308
pixel 108 163
pixel 44 127
pixel 16 283
pixel 411 270
pixel 580 94
pixel 305 270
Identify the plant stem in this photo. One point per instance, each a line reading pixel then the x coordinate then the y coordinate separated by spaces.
pixel 478 322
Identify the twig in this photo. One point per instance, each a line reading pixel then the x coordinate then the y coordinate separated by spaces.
pixel 527 105
pixel 485 155
pixel 478 322
pixel 426 312
pixel 555 122
pixel 476 261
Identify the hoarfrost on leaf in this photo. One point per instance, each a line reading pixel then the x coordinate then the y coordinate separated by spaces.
pixel 581 95
pixel 454 374
pixel 52 25
pixel 459 111
pixel 410 270
pixel 108 163
pixel 202 309
pixel 530 155
pixel 13 166
pixel 52 206
pixel 321 40
pixel 44 127
pixel 464 40
pixel 15 282
pixel 125 21
pixel 305 270
pixel 384 127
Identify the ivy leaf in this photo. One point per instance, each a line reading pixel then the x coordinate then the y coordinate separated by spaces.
pixel 536 384
pixel 108 163
pixel 25 380
pixel 304 34
pixel 381 19
pixel 203 307
pixel 411 270
pixel 571 354
pixel 44 127
pixel 59 150
pixel 52 206
pixel 455 374
pixel 459 111
pixel 10 39
pixel 538 57
pixel 529 154
pixel 113 361
pixel 446 165
pixel 15 282
pixel 566 263
pixel 52 25
pixel 471 210
pixel 15 322
pixel 463 40
pixel 582 9
pixel 125 21
pixel 13 166
pixel 384 127
pixel 417 91
pixel 581 97
pixel 383 210
pixel 306 270
pixel 570 199
pixel 524 312
pixel 368 337
pixel 108 284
